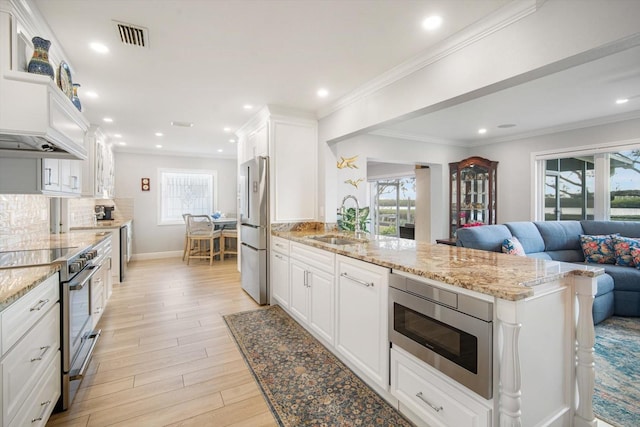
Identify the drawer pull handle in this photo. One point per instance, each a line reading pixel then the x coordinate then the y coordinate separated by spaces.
pixel 279 257
pixel 362 282
pixel 40 304
pixel 44 410
pixel 279 245
pixel 434 407
pixel 44 351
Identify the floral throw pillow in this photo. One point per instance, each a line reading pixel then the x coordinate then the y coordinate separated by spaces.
pixel 598 248
pixel 622 247
pixel 635 254
pixel 512 246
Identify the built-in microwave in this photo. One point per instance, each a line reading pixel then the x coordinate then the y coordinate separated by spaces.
pixel 450 331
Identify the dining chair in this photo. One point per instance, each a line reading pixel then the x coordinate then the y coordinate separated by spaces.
pixel 186 235
pixel 230 234
pixel 201 238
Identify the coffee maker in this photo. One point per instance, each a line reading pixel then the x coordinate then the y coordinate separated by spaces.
pixel 104 213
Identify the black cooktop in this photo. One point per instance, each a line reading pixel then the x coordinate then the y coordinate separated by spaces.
pixel 33 257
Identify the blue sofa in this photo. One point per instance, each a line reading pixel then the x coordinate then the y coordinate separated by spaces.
pixel 618 290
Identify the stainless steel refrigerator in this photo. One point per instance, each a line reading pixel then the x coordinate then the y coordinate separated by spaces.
pixel 254 228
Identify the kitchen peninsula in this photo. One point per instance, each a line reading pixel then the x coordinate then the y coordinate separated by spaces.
pixel 542 340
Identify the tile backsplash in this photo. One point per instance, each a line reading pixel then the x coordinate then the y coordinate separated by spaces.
pixel 22 215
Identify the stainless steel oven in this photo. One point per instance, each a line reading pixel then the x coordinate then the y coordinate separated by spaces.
pixel 77 337
pixel 450 331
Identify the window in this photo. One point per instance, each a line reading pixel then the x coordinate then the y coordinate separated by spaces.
pixel 186 191
pixel 394 204
pixel 602 184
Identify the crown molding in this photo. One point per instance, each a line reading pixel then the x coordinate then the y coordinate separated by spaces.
pixel 154 152
pixel 503 17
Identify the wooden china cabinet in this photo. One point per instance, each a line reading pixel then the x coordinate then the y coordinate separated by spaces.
pixel 472 193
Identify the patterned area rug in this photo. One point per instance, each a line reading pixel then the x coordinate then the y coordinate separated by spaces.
pixel 303 382
pixel 617 354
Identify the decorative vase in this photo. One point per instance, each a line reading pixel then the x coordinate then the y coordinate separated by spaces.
pixel 75 99
pixel 39 63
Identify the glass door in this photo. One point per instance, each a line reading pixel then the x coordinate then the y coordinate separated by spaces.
pixel 394 204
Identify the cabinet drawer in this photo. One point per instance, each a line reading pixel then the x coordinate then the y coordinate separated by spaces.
pixel 28 362
pixel 40 403
pixel 431 398
pixel 322 260
pixel 279 244
pixel 19 317
pixel 97 297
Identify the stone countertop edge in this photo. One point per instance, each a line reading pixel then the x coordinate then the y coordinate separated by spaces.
pixel 102 224
pixel 16 282
pixel 503 276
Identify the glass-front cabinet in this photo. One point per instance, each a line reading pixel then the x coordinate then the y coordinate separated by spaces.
pixel 472 193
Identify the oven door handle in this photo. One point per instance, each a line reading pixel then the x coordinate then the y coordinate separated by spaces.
pixel 84 277
pixel 93 336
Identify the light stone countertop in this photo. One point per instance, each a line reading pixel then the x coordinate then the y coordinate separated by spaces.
pixel 111 223
pixel 500 275
pixel 16 282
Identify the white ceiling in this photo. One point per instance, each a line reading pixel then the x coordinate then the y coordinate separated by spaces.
pixel 208 58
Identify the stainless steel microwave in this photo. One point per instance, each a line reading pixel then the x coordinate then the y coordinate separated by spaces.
pixel 452 332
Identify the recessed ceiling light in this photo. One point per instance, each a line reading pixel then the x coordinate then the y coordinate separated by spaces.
pixel 482 131
pixel 117 135
pixel 323 93
pixel 99 47
pixel 622 101
pixel 122 143
pixel 506 126
pixel 248 107
pixel 158 146
pixel 233 141
pixel 227 129
pixel 220 150
pixel 90 94
pixel 108 120
pixel 432 22
pixel 182 124
pixel 159 134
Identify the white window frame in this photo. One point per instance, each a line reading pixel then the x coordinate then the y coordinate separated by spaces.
pixel 214 187
pixel 601 208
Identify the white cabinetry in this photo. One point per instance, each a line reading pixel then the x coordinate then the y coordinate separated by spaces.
pixel 291 143
pixel 30 362
pixel 98 170
pixel 101 282
pixel 32 107
pixel 362 336
pixel 51 177
pixel 280 271
pixel 311 273
pixel 432 399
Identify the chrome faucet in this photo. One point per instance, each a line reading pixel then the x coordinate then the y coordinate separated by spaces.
pixel 357 223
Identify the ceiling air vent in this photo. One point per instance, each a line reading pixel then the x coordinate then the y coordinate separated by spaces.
pixel 133 35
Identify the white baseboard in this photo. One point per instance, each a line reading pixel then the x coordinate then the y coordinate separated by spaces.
pixel 156 255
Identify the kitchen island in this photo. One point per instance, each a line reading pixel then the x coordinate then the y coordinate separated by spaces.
pixel 543 370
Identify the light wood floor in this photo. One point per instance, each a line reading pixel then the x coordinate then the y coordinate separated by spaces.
pixel 165 356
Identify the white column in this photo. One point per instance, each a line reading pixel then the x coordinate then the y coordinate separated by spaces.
pixel 510 388
pixel 585 289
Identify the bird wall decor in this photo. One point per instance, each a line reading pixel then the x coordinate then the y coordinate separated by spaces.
pixel 348 162
pixel 354 183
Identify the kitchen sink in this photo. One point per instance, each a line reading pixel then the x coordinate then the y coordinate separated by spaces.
pixel 337 240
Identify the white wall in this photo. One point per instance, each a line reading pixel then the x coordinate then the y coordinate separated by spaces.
pixel 509 48
pixel 149 237
pixel 393 150
pixel 515 174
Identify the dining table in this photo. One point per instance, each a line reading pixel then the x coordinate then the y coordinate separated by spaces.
pixel 222 223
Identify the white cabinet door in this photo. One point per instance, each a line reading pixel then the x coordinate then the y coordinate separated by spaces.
pixel 51 175
pixel 280 278
pixel 70 176
pixel 298 277
pixel 362 317
pixel 321 295
pixel 293 164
